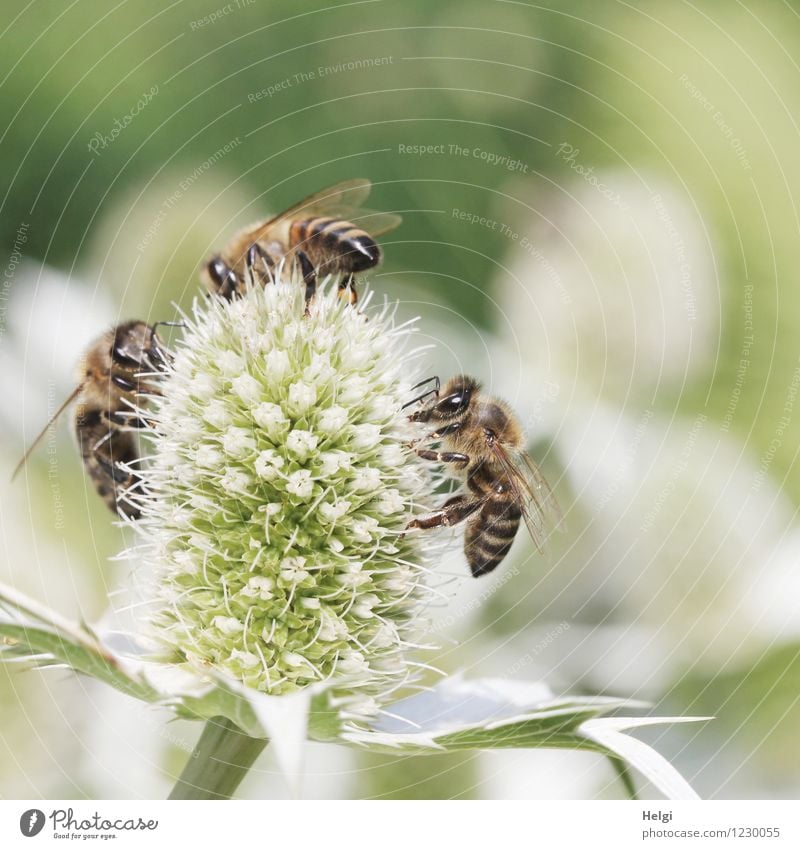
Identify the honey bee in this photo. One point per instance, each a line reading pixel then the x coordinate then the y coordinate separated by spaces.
pixel 117 370
pixel 326 233
pixel 483 439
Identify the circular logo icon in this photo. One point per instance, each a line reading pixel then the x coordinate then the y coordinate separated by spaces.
pixel 31 822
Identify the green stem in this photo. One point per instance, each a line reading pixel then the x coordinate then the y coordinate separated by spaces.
pixel 625 776
pixel 220 760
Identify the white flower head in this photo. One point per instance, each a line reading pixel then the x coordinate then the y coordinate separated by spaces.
pixel 293 487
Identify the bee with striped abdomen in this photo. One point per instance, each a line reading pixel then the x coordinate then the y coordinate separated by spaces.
pixel 483 439
pixel 326 233
pixel 116 373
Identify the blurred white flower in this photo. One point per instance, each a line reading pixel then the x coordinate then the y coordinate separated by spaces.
pixel 683 530
pixel 50 316
pixel 619 297
pixel 775 590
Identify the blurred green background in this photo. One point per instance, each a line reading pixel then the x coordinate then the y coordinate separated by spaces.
pixel 624 271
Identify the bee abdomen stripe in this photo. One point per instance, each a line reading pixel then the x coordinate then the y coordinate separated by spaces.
pixel 497 547
pixel 316 225
pixel 483 564
pixel 301 231
pixel 502 509
pixel 87 418
pixel 340 227
pixel 482 476
pixel 491 542
pixel 503 524
pixel 343 240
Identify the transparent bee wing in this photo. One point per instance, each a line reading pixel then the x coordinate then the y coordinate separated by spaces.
pixel 54 418
pixel 538 483
pixel 333 200
pixel 538 505
pixel 344 201
pixel 374 222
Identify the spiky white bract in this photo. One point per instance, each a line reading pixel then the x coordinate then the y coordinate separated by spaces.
pixel 278 493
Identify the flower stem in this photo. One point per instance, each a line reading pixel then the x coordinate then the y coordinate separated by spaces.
pixel 221 758
pixel 624 775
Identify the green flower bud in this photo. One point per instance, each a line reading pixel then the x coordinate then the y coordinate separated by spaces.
pixel 280 487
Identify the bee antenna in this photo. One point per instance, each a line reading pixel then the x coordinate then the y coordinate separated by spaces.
pixel 424 395
pixel 434 379
pixel 170 324
pixel 58 412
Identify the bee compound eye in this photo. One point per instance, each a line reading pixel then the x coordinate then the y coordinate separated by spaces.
pixel 217 269
pixel 126 347
pixel 221 273
pixel 121 355
pixel 453 404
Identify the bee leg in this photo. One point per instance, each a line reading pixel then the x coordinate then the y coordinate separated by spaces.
pixel 456 510
pixel 250 261
pixel 443 456
pixel 102 441
pixel 347 289
pixel 158 354
pixel 267 262
pixel 309 276
pixel 130 420
pixel 254 253
pixel 123 383
pixel 435 436
pixel 137 387
pixel 121 482
pixel 114 472
pixel 445 431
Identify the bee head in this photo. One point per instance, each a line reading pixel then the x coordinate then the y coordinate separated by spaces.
pixel 135 347
pixel 220 278
pixel 131 343
pixel 451 403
